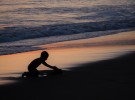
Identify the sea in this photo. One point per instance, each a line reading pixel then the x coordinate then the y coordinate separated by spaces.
pixel 24 24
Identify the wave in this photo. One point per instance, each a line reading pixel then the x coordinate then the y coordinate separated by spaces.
pixel 10 34
pixel 33 44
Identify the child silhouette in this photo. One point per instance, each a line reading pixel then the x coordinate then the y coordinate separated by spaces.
pixel 32 67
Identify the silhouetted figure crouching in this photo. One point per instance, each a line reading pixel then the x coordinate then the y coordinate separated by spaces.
pixel 32 67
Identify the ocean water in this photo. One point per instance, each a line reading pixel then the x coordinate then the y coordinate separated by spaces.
pixel 25 24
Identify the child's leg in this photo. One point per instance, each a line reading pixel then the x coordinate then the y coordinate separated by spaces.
pixel 34 73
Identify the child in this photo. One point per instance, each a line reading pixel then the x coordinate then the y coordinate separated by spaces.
pixel 32 67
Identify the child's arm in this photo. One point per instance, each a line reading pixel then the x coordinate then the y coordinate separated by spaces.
pixel 52 67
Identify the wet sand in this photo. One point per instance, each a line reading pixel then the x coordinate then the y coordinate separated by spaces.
pixel 104 72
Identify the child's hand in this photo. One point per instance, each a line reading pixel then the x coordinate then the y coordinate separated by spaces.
pixel 55 68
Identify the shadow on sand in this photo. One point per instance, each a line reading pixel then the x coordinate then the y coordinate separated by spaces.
pixel 112 79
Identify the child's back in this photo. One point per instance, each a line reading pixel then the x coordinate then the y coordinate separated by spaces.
pixel 34 64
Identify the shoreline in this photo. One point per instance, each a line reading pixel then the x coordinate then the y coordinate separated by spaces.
pixel 76 51
pixel 34 44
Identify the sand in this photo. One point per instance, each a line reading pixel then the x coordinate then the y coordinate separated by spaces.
pixel 108 74
pixel 104 80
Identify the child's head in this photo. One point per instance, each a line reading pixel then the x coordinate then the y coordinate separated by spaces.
pixel 44 55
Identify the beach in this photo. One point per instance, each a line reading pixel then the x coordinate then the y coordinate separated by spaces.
pixel 100 68
pixel 92 41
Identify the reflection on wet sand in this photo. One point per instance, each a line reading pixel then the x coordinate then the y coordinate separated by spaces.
pixel 69 55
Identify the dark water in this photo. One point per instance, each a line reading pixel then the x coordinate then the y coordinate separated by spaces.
pixel 30 19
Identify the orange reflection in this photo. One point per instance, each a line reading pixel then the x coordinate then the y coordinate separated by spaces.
pixel 66 54
pixel 70 53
